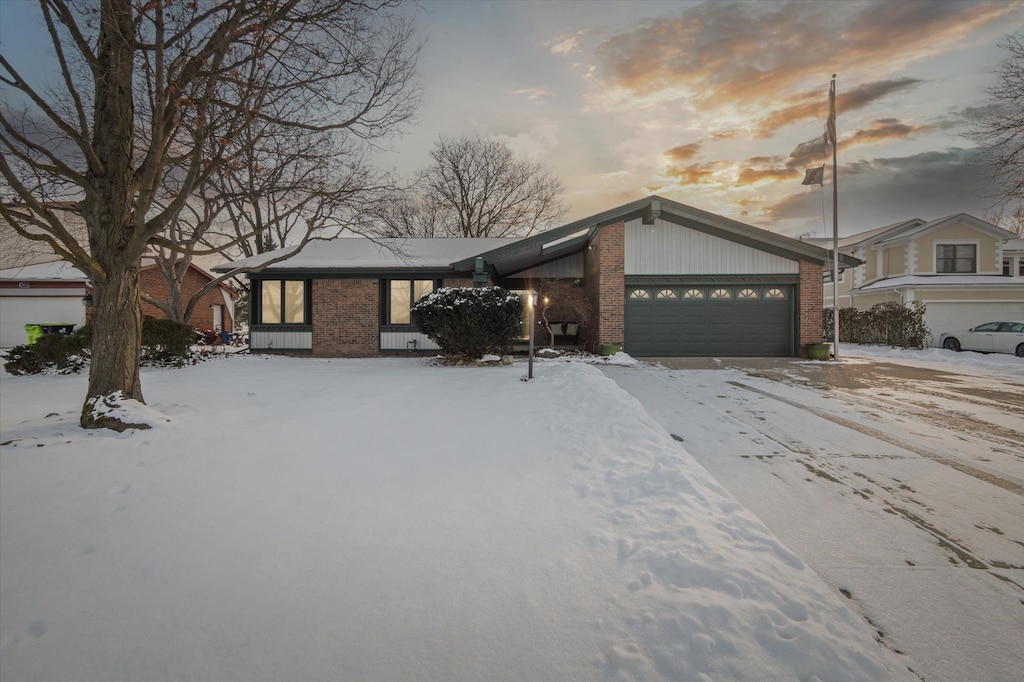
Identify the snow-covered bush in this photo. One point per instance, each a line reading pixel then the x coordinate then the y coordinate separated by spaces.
pixel 893 324
pixel 469 323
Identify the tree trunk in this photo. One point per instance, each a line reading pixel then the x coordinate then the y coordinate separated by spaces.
pixel 116 346
pixel 110 188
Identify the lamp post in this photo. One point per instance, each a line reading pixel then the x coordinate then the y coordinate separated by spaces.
pixel 533 304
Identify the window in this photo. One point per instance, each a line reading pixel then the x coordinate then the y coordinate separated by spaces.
pixel 666 293
pixel 402 294
pixel 1007 267
pixel 775 293
pixel 988 327
pixel 639 293
pixel 721 293
pixel 693 293
pixel 953 258
pixel 282 301
pixel 747 294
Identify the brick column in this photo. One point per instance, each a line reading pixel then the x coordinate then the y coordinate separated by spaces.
pixel 604 281
pixel 809 312
pixel 346 318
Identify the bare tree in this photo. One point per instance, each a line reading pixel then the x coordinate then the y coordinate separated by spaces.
pixel 562 299
pixel 998 126
pixel 154 100
pixel 476 187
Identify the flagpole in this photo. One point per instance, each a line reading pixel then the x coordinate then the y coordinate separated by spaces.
pixel 835 220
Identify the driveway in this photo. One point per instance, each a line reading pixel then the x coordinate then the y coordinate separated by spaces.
pixel 903 487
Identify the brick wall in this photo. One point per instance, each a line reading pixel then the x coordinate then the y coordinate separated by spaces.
pixel 152 283
pixel 604 281
pixel 810 305
pixel 346 318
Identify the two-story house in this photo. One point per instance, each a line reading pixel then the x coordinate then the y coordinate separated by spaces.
pixel 965 270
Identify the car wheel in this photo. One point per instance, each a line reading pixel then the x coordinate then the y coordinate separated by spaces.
pixel 951 344
pixel 1020 350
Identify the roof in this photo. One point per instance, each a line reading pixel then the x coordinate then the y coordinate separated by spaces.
pixel 867 236
pixel 547 246
pixel 54 270
pixel 908 229
pixel 946 280
pixel 360 253
pixel 508 255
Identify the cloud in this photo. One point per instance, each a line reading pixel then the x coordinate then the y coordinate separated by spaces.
pixel 884 190
pixel 814 105
pixel 882 130
pixel 568 45
pixel 716 54
pixel 683 152
pixel 533 94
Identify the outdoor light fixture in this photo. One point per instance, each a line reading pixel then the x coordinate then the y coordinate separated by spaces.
pixel 533 304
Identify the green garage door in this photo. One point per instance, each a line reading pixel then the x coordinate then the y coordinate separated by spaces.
pixel 728 320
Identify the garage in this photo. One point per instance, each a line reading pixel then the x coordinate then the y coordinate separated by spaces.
pixel 948 316
pixel 710 319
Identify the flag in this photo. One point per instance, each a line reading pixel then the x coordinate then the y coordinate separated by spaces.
pixel 816 147
pixel 830 124
pixel 814 176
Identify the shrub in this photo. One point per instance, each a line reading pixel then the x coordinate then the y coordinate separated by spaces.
pixel 163 343
pixel 468 322
pixel 892 324
pixel 66 353
pixel 166 342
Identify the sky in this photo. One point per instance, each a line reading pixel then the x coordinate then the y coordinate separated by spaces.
pixel 702 102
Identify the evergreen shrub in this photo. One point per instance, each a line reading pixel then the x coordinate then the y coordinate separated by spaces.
pixel 892 324
pixel 470 322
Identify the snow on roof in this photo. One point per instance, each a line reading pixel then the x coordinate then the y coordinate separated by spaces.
pixel 362 253
pixel 58 269
pixel 945 281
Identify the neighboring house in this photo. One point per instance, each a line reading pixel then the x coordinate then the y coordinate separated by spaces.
pixel 965 270
pixel 214 311
pixel 35 286
pixel 42 293
pixel 664 278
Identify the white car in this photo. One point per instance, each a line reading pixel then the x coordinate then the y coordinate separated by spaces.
pixel 991 337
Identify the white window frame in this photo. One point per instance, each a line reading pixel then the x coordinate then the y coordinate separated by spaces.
pixel 957 242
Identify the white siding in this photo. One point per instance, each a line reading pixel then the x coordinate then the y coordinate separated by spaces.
pixel 283 340
pixel 17 311
pixel 400 341
pixel 668 249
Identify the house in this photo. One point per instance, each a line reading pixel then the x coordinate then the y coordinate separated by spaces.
pixel 215 308
pixel 36 287
pixel 965 270
pixel 42 293
pixel 663 278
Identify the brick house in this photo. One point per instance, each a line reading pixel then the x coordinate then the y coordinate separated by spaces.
pixel 663 278
pixel 215 309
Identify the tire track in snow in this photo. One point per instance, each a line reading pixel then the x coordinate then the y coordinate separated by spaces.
pixel 962 467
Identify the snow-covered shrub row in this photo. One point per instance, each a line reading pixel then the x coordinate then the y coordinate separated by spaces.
pixel 470 322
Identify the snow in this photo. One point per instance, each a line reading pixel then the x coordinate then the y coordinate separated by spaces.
pixel 357 252
pixel 391 519
pixel 56 270
pixel 969 362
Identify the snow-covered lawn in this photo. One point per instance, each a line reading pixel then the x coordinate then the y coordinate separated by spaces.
pixel 301 519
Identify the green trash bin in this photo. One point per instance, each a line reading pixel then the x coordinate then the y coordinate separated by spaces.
pixel 34 331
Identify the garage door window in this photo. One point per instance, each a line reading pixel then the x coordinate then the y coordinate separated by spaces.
pixel 666 293
pixel 747 294
pixel 775 293
pixel 693 293
pixel 639 293
pixel 720 293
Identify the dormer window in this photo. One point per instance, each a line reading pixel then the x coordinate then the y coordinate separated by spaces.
pixel 956 258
